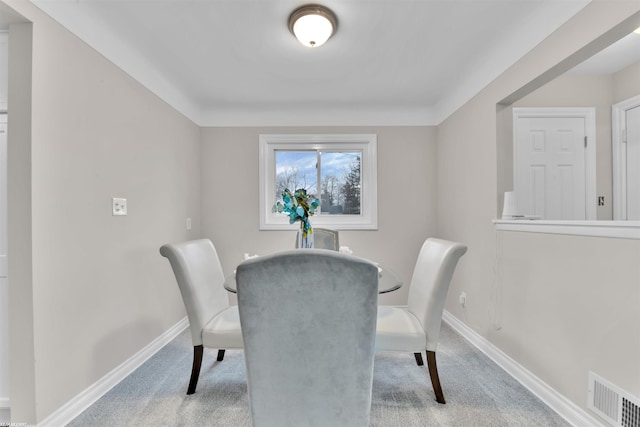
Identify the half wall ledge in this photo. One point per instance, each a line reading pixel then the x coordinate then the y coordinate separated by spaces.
pixel 613 229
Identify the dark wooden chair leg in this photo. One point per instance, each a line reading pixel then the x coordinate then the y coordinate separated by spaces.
pixel 418 359
pixel 433 373
pixel 195 369
pixel 220 355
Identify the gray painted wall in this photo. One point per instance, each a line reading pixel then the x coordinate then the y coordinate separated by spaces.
pixel 87 289
pixel 558 305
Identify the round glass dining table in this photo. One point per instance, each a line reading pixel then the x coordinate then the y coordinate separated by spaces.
pixel 388 281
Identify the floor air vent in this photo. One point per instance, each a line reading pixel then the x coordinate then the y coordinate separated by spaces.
pixel 612 403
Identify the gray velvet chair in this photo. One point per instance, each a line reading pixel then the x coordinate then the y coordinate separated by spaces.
pixel 323 238
pixel 416 328
pixel 213 322
pixel 308 324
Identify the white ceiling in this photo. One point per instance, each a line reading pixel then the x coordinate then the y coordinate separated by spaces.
pixel 619 55
pixel 391 62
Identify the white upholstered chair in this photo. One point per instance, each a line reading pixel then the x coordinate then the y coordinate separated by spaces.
pixel 308 323
pixel 213 322
pixel 416 328
pixel 323 238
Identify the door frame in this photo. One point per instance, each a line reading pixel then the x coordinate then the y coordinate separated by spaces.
pixel 589 116
pixel 4 279
pixel 619 155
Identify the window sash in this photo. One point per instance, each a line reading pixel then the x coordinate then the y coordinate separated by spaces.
pixel 363 143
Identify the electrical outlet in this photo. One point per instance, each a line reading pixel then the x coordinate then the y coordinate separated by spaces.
pixel 463 299
pixel 119 206
pixel 600 200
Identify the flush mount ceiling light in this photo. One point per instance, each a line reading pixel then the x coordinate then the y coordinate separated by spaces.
pixel 312 24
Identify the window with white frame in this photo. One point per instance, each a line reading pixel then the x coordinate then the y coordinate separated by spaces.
pixel 340 170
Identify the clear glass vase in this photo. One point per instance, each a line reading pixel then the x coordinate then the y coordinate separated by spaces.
pixel 305 236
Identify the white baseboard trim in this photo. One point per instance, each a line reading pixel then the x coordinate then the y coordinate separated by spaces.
pixel 565 408
pixel 66 413
pixel 568 410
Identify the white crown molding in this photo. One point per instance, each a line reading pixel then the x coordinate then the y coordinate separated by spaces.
pixel 335 115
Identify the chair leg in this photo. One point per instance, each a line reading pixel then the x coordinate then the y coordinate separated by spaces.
pixel 418 359
pixel 195 369
pixel 220 355
pixel 433 373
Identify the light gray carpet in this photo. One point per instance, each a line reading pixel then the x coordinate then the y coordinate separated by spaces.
pixel 478 392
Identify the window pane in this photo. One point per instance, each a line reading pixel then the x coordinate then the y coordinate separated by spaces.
pixel 339 168
pixel 294 170
pixel 340 179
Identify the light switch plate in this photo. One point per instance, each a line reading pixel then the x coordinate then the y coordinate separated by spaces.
pixel 119 206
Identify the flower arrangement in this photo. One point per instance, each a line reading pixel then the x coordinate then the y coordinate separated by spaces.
pixel 299 206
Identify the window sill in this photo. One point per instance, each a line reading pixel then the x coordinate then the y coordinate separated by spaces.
pixel 615 229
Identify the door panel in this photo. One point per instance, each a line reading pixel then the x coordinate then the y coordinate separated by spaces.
pixel 537 190
pixel 550 167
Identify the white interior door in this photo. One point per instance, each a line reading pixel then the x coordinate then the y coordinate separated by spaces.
pixel 551 164
pixel 632 119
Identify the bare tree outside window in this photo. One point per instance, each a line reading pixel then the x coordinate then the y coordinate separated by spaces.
pixel 337 172
pixel 294 170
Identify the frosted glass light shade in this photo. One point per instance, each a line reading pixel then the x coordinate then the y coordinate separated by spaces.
pixel 312 25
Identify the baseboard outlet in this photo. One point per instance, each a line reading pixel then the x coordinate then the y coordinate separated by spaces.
pixel 572 413
pixel 66 413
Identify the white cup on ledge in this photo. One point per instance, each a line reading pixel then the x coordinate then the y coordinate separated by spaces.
pixel 509 209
